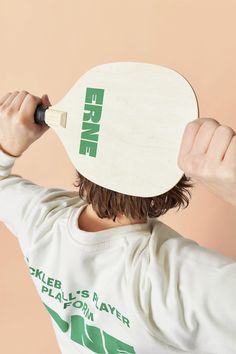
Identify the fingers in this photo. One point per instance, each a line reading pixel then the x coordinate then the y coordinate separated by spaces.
pixel 229 157
pixel 25 104
pixel 195 139
pixel 18 99
pixel 220 142
pixel 188 138
pixel 3 98
pixel 202 120
pixel 206 143
pixel 203 137
pixel 192 135
pixel 8 100
pixel 13 100
pixel 29 104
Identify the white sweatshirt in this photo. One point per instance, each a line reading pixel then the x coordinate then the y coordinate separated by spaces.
pixel 140 288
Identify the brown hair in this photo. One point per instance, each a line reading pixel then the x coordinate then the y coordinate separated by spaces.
pixel 109 204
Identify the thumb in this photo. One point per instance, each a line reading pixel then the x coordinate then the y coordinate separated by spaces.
pixel 45 100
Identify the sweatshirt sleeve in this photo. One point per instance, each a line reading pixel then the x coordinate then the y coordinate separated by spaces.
pixel 27 209
pixel 188 295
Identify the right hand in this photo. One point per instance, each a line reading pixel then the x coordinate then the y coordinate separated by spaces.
pixel 208 155
pixel 18 129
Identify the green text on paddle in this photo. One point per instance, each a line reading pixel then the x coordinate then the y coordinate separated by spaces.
pixel 91 117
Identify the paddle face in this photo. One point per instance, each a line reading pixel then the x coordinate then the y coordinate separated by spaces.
pixel 124 125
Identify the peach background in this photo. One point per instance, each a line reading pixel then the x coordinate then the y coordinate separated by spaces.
pixel 45 47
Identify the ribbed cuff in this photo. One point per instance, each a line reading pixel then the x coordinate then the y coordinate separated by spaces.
pixel 6 160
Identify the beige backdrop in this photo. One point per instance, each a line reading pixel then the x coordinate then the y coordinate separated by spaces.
pixel 45 47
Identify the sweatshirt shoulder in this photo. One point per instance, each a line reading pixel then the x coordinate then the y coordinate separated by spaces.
pixel 166 240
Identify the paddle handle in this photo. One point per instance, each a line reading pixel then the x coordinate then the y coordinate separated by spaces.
pixel 55 118
pixel 39 114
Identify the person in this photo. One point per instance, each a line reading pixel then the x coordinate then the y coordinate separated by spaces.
pixel 114 278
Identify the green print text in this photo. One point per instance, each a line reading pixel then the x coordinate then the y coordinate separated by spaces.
pixel 84 334
pixel 91 118
pixel 53 288
pixel 90 336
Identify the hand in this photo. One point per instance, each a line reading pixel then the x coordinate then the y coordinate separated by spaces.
pixel 17 127
pixel 208 154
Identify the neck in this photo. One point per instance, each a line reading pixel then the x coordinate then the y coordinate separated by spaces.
pixel 89 221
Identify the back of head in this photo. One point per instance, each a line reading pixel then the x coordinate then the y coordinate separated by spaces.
pixel 109 204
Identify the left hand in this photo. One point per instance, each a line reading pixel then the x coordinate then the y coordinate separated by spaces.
pixel 18 129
